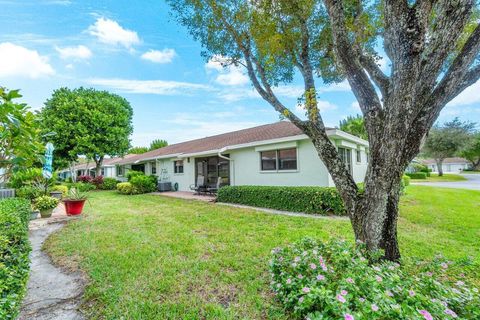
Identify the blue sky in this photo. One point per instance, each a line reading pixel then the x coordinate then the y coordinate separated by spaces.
pixel 137 50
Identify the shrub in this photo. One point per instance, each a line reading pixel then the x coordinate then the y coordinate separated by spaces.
pixel 28 192
pixel 61 188
pixel 406 180
pixel 319 200
pixel 84 187
pixel 417 175
pixel 133 173
pixel 45 203
pixel 335 280
pixel 29 177
pixel 85 179
pixel 14 251
pixel 109 184
pixel 144 184
pixel 126 188
pixel 97 182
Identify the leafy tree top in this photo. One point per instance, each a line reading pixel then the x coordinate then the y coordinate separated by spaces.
pixel 354 125
pixel 157 144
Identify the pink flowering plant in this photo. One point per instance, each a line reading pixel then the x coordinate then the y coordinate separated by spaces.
pixel 336 280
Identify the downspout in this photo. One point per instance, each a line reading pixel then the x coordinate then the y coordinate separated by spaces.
pixel 220 155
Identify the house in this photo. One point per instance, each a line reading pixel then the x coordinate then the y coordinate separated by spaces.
pixel 276 154
pixel 450 165
pixel 88 168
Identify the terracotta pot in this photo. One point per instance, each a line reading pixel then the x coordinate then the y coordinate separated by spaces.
pixel 46 213
pixel 74 207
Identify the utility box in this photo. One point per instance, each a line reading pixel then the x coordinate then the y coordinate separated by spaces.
pixel 164 186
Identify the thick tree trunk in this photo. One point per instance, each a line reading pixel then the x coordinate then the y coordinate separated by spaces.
pixel 98 166
pixel 440 167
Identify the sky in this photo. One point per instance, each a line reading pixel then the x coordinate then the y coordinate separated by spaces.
pixel 137 50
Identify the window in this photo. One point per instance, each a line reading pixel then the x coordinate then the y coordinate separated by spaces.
pixel 285 159
pixel 153 167
pixel 269 160
pixel 359 156
pixel 119 171
pixel 178 166
pixel 102 172
pixel 346 156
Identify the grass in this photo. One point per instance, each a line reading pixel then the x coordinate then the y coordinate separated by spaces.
pixel 447 177
pixel 152 257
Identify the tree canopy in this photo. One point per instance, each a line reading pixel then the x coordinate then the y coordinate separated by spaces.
pixel 87 122
pixel 20 145
pixel 157 144
pixel 354 125
pixel 471 151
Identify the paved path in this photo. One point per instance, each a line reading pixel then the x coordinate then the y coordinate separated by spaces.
pixel 52 293
pixel 473 183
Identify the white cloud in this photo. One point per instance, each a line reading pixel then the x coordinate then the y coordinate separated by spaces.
pixel 159 87
pixel 78 52
pixel 157 56
pixel 229 75
pixel 355 106
pixel 468 96
pixel 70 66
pixel 323 105
pixel 20 61
pixel 110 32
pixel 336 87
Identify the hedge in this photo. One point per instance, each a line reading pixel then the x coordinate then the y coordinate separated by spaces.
pixel 14 251
pixel 318 200
pixel 417 175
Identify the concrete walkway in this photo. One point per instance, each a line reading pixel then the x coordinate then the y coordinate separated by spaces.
pixel 52 293
pixel 473 183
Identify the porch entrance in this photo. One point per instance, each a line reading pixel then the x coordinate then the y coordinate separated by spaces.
pixel 214 169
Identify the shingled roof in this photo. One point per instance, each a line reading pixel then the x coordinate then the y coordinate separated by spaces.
pixel 271 131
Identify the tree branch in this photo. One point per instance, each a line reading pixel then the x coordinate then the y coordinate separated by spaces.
pixel 375 73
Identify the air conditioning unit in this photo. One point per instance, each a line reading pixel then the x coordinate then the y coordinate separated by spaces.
pixel 7 193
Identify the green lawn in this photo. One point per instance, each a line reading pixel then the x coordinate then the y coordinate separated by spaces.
pixel 150 257
pixel 447 177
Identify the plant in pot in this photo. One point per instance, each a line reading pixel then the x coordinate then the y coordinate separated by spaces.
pixel 74 202
pixel 45 204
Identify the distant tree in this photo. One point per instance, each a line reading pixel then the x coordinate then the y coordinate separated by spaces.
pixel 87 122
pixel 447 141
pixel 157 144
pixel 20 145
pixel 354 125
pixel 138 150
pixel 471 152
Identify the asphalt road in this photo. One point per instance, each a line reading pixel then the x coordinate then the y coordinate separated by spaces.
pixel 473 183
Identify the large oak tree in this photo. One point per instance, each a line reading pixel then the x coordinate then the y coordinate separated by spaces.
pixel 433 47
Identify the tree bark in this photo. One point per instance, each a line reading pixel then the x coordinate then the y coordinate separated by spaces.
pixel 98 166
pixel 440 167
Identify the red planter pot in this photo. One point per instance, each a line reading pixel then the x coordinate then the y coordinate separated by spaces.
pixel 74 207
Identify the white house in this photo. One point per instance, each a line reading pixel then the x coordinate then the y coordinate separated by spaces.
pixel 276 154
pixel 450 165
pixel 109 168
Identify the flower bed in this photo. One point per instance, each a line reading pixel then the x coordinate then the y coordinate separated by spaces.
pixel 14 251
pixel 334 280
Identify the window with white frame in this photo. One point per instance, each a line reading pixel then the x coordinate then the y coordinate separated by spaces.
pixel 346 156
pixel 283 159
pixel 120 171
pixel 359 156
pixel 178 166
pixel 153 168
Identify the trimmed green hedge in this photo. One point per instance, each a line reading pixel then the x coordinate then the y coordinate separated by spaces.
pixel 319 200
pixel 417 175
pixel 14 251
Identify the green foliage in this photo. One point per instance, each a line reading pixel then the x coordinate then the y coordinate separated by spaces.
pixel 318 200
pixel 406 180
pixel 144 184
pixel 25 177
pixel 45 203
pixel 28 192
pixel 81 186
pixel 20 145
pixel 336 280
pixel 14 251
pixel 416 175
pixel 109 184
pixel 138 150
pixel 471 151
pixel 86 122
pixel 133 173
pixel 354 125
pixel 61 188
pixel 447 140
pixel 77 194
pixel 126 188
pixel 157 144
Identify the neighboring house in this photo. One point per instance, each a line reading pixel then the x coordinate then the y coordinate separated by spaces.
pixel 88 168
pixel 277 154
pixel 452 165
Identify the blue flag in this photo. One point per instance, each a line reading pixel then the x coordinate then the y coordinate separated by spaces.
pixel 47 166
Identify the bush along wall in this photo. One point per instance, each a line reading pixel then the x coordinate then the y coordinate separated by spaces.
pixel 317 200
pixel 14 251
pixel 417 175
